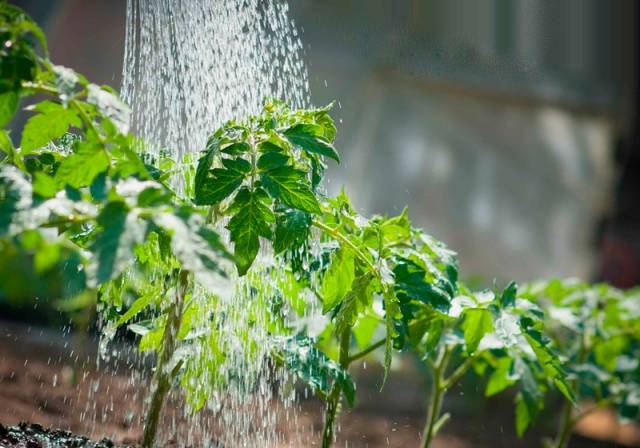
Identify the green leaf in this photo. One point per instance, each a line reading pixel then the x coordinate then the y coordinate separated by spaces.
pixel 52 122
pixel 608 351
pixel 475 324
pixel 508 297
pixel 314 368
pixel 195 246
pixel 292 290
pixel 271 160
pixel 221 184
pixel 364 330
pixel 252 220
pixel 431 338
pixel 136 307
pixel 275 144
pixel 411 284
pixel 114 244
pixel 81 168
pixel 236 148
pixel 204 164
pixel 338 279
pixel 22 24
pixel 8 106
pixel 44 185
pixel 151 340
pixel 292 230
pixel 525 414
pixel 110 106
pixel 530 399
pixel 500 379
pixel 349 307
pixel 323 119
pixel 549 361
pixel 6 145
pixel 238 164
pixel 391 309
pixel 66 80
pixel 396 229
pixel 291 187
pixel 15 196
pixel 306 136
pixel 46 257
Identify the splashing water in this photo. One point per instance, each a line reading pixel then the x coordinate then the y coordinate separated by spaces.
pixel 189 67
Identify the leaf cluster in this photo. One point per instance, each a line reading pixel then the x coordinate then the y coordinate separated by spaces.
pixel 85 210
pixel 81 204
pixel 596 328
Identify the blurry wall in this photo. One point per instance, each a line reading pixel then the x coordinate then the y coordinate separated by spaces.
pixel 494 120
pixel 87 35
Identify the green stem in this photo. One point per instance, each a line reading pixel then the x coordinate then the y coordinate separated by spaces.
pixel 333 402
pixel 88 122
pixel 566 426
pixel 43 88
pixel 161 383
pixel 367 350
pixel 567 421
pixel 381 342
pixel 346 241
pixel 438 389
pixel 457 374
pixel 39 87
pixel 68 220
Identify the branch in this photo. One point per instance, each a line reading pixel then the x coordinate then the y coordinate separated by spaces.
pixel 342 238
pixel 367 350
pixel 457 374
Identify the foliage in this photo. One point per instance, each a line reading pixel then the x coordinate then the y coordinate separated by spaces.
pixel 597 331
pixel 90 209
pixel 79 203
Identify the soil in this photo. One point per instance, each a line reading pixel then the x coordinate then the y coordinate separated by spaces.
pixel 32 435
pixel 38 385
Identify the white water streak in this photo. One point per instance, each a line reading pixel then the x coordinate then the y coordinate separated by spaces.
pixel 192 65
pixel 189 67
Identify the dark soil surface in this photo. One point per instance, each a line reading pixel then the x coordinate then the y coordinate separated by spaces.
pixel 38 385
pixel 35 436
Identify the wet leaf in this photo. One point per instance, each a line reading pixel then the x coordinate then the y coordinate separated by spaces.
pixel 310 138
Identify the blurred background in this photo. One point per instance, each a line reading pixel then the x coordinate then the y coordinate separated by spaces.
pixel 509 127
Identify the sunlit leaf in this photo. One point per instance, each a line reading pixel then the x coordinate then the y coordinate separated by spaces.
pixel 309 137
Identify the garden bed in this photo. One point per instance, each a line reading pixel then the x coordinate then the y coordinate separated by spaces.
pixel 36 385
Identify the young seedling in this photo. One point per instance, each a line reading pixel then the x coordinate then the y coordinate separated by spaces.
pixel 597 331
pixel 263 173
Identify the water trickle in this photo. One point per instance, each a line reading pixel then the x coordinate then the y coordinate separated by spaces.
pixel 189 67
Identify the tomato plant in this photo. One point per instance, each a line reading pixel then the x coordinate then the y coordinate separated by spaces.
pixel 596 329
pixel 99 217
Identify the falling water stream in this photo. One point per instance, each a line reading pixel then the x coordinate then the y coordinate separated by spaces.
pixel 190 66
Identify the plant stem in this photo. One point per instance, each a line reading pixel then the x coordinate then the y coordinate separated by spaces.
pixel 161 383
pixel 343 239
pixel 367 350
pixel 567 421
pixel 438 389
pixel 457 374
pixel 566 426
pixel 39 87
pixel 89 123
pixel 333 402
